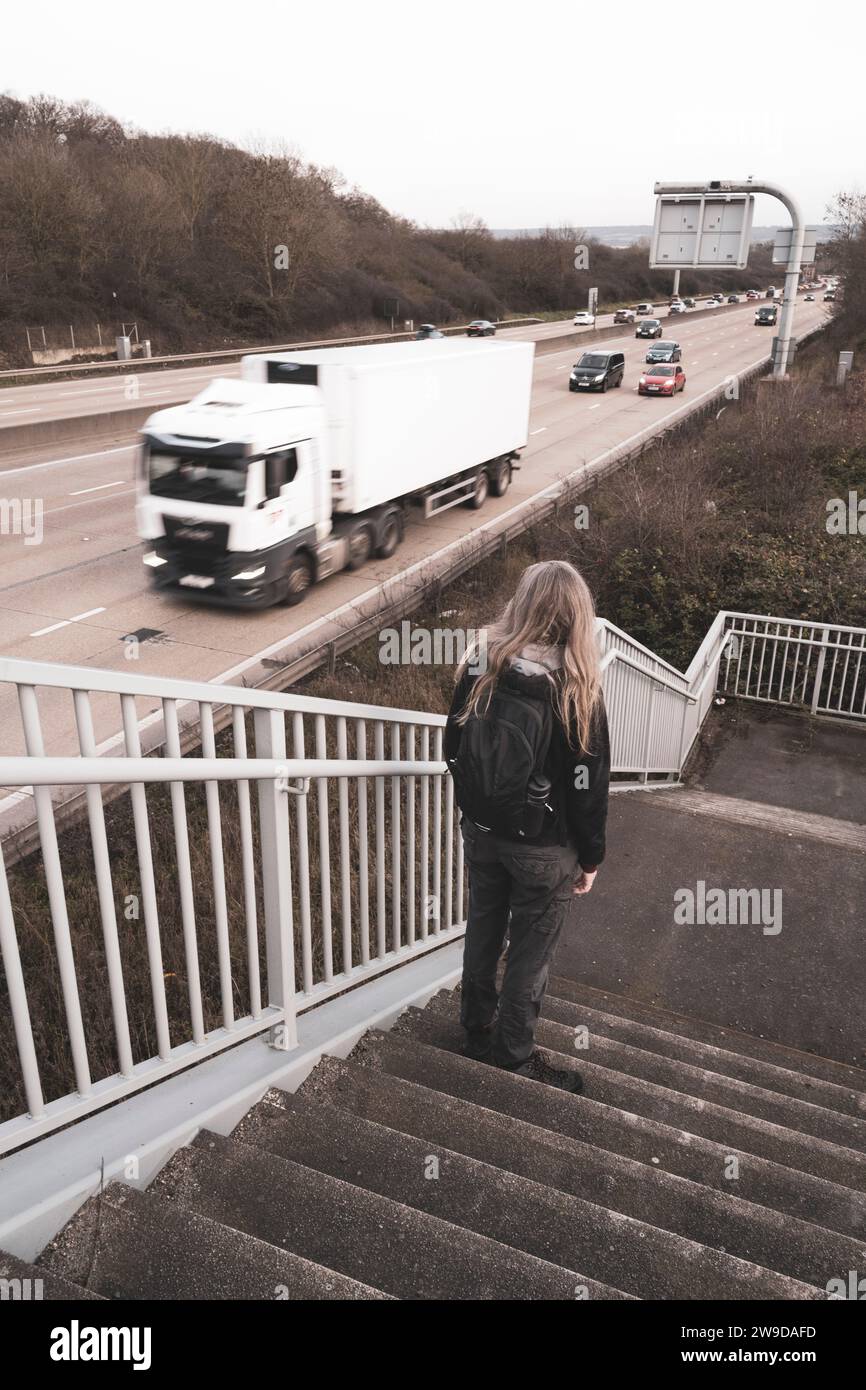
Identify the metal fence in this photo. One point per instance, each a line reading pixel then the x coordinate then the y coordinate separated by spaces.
pixel 817 666
pixel 306 847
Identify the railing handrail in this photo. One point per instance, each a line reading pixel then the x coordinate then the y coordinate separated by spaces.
pixel 603 624
pixel 615 655
pixel 65 772
pixel 97 680
pixel 799 622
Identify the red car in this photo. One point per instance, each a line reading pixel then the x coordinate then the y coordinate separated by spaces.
pixel 663 379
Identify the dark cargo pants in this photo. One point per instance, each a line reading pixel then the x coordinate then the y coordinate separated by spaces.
pixel 524 891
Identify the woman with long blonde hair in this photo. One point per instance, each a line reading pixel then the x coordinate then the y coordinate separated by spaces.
pixel 527 746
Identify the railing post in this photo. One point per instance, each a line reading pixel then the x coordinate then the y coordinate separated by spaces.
pixel 270 732
pixel 651 712
pixel 819 672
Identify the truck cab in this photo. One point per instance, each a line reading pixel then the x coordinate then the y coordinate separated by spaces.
pixel 232 488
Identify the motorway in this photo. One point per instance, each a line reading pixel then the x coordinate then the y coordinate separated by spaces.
pixel 88 395
pixel 74 597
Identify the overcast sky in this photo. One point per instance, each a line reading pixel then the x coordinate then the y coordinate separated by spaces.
pixel 528 114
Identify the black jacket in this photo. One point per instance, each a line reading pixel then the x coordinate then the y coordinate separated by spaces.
pixel 581 811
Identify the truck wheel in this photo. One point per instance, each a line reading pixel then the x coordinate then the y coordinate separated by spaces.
pixel 360 547
pixel 391 535
pixel 297 580
pixel 500 478
pixel 482 488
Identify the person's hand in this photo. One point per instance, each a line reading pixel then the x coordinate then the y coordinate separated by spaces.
pixel 584 882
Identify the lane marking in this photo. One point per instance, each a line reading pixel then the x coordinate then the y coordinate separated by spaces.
pixel 79 618
pixel 75 458
pixel 539 431
pixel 81 491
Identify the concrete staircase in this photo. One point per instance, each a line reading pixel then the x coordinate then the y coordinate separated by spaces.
pixel 698 1163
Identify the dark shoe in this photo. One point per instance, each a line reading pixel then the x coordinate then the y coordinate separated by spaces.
pixel 539 1069
pixel 478 1047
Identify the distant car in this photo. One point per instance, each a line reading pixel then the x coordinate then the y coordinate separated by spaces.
pixel 830 295
pixel 676 300
pixel 481 328
pixel 771 292
pixel 678 308
pixel 810 299
pixel 689 303
pixel 650 328
pixel 767 314
pixel 664 380
pixel 624 316
pixel 711 303
pixel 733 299
pixel 644 309
pixel 596 371
pixel 583 317
pixel 665 351
pixel 752 294
pixel 718 297
pixel 428 330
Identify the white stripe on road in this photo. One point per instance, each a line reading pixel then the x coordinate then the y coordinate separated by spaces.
pixel 99 488
pixel 76 458
pixel 79 617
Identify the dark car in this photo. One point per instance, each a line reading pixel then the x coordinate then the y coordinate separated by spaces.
pixel 733 299
pixel 650 328
pixel 689 303
pixel 481 328
pixel 767 314
pixel 429 330
pixel 664 352
pixel 829 296
pixel 596 371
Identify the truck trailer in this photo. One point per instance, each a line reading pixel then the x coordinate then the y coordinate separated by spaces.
pixel 310 463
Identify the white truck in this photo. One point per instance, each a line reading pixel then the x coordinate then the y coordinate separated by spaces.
pixel 308 464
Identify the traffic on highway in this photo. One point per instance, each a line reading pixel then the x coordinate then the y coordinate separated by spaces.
pixel 95 590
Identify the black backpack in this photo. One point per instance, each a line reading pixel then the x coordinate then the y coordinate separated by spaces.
pixel 498 770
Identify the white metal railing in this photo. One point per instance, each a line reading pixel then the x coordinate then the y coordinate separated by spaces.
pixel 298 847
pixel 311 846
pixel 817 666
pixel 656 712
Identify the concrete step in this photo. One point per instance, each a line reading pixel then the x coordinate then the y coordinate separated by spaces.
pixel 765 1075
pixel 24 1282
pixel 564 1228
pixel 128 1244
pixel 746 1045
pixel 673 1145
pixel 684 1077
pixel 771 1236
pixel 366 1236
pixel 691 1113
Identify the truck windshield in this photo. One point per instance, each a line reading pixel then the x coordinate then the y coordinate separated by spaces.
pixel 194 478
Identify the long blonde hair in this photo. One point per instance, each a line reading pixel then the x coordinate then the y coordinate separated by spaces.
pixel 551 606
